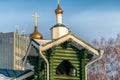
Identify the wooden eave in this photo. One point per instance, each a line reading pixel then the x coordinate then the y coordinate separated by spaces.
pixel 66 37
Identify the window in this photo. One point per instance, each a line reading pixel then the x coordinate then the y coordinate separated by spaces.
pixel 66 68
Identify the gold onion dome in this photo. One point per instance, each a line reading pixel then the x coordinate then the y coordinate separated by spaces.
pixel 36 34
pixel 58 10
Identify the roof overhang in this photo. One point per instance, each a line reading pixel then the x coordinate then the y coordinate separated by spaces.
pixel 78 42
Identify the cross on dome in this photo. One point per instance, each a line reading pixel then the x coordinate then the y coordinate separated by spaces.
pixel 36 16
pixel 58 2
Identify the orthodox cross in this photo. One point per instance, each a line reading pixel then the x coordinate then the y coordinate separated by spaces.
pixel 36 16
pixel 58 2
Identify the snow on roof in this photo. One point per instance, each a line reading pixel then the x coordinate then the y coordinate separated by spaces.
pixel 42 42
pixel 3 77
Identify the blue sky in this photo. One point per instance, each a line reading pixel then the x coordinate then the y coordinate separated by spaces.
pixel 88 19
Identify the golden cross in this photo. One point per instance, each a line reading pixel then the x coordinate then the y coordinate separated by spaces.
pixel 58 2
pixel 36 16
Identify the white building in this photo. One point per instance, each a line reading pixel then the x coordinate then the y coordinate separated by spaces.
pixel 12 49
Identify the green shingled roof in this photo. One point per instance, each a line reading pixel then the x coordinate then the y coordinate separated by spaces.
pixel 13 73
pixel 59 25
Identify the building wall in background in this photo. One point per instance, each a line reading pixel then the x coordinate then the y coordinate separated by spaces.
pixel 12 49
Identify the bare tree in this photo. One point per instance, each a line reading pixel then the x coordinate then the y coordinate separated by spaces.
pixel 108 68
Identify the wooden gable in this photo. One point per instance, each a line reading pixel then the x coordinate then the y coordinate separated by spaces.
pixel 77 42
pixel 66 61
